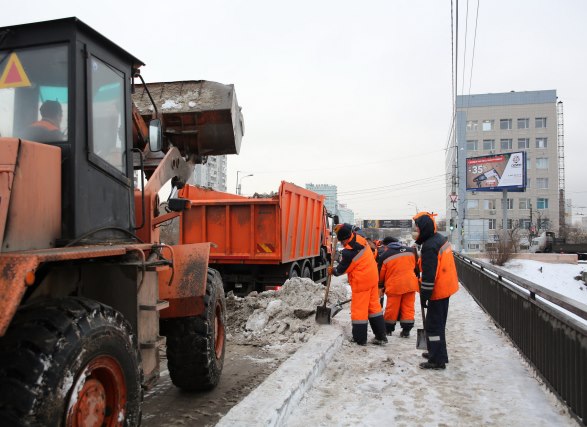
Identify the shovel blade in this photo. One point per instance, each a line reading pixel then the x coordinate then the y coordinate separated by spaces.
pixel 323 315
pixel 421 340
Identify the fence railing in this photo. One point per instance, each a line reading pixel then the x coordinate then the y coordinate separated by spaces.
pixel 540 324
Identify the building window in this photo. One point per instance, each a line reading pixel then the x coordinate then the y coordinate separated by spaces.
pixel 489 144
pixel 509 203
pixel 473 246
pixel 523 143
pixel 528 162
pixel 528 180
pixel 510 224
pixel 540 122
pixel 542 183
pixel 506 144
pixel 541 142
pixel 492 224
pixel 472 145
pixel 487 125
pixel 489 204
pixel 505 124
pixel 524 224
pixel 541 203
pixel 472 204
pixel 524 203
pixel 541 162
pixel 523 123
pixel 472 125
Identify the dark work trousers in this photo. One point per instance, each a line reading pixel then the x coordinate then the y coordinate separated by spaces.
pixel 435 327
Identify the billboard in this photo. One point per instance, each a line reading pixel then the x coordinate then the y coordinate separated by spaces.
pixel 387 223
pixel 497 172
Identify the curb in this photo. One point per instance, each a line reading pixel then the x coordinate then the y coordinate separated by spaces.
pixel 271 402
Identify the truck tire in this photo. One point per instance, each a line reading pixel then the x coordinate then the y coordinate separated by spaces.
pixel 67 362
pixel 196 345
pixel 306 271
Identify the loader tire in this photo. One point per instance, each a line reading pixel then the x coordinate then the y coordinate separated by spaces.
pixel 69 361
pixel 196 344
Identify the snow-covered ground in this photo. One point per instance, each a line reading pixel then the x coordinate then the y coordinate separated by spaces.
pixel 560 278
pixel 487 382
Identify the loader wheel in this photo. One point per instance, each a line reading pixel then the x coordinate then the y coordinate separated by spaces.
pixel 69 362
pixel 196 345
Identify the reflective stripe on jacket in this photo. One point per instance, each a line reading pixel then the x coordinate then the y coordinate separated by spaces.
pixel 439 271
pixel 398 265
pixel 358 263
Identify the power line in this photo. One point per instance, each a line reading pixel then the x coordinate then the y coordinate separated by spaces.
pixel 387 187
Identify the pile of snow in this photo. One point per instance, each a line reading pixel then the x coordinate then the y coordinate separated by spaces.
pixel 283 316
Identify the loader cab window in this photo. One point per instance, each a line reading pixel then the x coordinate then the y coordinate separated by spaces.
pixel 34 93
pixel 108 127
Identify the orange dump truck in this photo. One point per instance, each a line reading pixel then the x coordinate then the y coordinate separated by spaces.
pixel 257 243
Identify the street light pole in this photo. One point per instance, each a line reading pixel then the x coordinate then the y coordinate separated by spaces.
pixel 238 182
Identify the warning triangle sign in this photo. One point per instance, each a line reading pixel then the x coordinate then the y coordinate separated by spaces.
pixel 14 74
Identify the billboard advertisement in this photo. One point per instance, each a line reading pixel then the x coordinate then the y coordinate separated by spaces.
pixel 387 223
pixel 497 172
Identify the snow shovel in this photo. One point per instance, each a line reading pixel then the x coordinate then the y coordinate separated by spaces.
pixel 323 313
pixel 421 343
pixel 338 307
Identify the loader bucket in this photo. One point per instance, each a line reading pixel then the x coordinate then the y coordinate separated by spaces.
pixel 200 118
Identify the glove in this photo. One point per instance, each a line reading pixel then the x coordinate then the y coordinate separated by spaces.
pixel 425 295
pixel 330 270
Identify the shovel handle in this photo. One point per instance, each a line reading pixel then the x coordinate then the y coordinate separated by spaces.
pixel 328 279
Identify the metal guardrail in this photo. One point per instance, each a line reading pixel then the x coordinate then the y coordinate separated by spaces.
pixel 554 342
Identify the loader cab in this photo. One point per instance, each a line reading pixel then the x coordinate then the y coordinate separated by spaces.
pixel 66 63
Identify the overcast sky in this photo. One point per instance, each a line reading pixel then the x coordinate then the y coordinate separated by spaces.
pixel 355 94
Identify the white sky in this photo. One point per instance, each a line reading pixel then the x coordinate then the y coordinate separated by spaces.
pixel 356 94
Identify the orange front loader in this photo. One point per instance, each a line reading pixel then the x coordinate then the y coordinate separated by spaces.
pixel 88 294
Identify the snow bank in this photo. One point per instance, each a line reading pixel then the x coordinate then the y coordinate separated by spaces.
pixel 283 316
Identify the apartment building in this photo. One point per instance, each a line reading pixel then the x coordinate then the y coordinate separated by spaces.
pixel 503 123
pixel 212 174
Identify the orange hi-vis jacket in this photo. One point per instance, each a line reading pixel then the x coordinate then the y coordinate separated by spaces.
pixel 359 265
pixel 398 265
pixel 447 282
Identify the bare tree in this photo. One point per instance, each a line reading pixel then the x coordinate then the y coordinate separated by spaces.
pixel 506 244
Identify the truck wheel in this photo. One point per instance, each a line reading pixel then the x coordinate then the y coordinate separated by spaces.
pixel 294 271
pixel 196 345
pixel 71 361
pixel 307 272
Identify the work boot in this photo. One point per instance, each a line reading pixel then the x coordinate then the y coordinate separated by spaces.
pixel 360 333
pixel 378 327
pixel 425 355
pixel 405 333
pixel 389 328
pixel 377 341
pixel 432 365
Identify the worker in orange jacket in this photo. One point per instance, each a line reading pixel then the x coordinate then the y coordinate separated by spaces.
pixel 439 282
pixel 358 263
pixel 48 129
pixel 398 274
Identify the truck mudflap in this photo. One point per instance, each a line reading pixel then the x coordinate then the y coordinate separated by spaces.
pixel 184 285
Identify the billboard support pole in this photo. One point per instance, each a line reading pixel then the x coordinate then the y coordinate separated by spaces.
pixel 505 217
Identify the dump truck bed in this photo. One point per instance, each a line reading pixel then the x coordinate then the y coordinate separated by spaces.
pixel 255 230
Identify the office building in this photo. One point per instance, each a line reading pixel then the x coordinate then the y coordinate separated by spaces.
pixel 487 124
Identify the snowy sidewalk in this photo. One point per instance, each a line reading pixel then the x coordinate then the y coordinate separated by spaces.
pixel 486 382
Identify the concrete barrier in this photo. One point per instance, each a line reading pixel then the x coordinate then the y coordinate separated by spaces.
pixel 271 402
